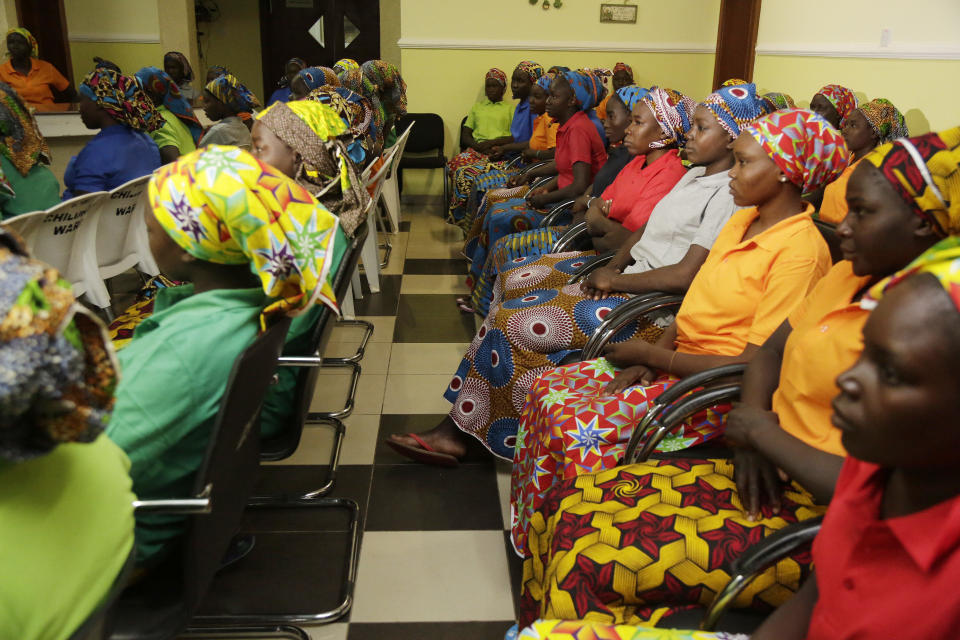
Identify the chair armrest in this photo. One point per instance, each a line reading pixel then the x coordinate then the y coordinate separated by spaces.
pixel 300 361
pixel 674 416
pixel 516 160
pixel 624 315
pixel 591 266
pixel 569 237
pixel 182 506
pixel 539 182
pixel 551 218
pixel 770 550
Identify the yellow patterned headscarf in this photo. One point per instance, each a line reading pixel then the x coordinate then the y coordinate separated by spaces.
pixel 942 260
pixel 222 205
pixel 34 48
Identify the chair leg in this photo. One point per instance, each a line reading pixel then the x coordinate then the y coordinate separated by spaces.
pixel 281 500
pixel 369 254
pixel 266 631
pixel 391 202
pixel 367 334
pixel 347 310
pixel 351 394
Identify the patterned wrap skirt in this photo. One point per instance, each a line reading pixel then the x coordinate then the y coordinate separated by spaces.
pixel 569 426
pixel 632 544
pixel 501 220
pixel 122 327
pixel 536 320
pixel 578 630
pixel 464 169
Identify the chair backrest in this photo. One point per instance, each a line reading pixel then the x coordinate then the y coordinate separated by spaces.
pixel 829 233
pixel 397 151
pixel 230 465
pixel 429 133
pixel 119 224
pixel 463 123
pixel 379 178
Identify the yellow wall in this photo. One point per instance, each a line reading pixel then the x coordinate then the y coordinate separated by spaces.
pixel 128 33
pixel 234 41
pixel 390 31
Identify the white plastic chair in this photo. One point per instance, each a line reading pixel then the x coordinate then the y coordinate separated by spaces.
pixel 391 189
pixel 65 237
pixel 122 231
pixel 370 254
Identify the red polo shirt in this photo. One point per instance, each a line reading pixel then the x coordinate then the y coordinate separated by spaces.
pixel 639 187
pixel 578 141
pixel 893 578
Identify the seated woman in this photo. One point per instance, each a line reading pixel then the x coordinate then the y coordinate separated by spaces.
pixel 539 320
pixel 213 73
pixel 864 128
pixel 785 426
pixel 621 77
pixel 38 82
pixel 27 184
pixel 64 486
pixel 176 65
pixel 357 113
pixel 779 100
pixel 354 80
pixel 475 161
pixel 122 150
pixel 312 78
pixel 834 102
pixel 284 90
pixel 217 223
pixel 229 104
pixel 392 92
pixel 765 260
pixel 345 64
pixel 181 130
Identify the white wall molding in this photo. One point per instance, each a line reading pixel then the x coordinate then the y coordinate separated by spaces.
pixel 944 52
pixel 129 38
pixel 551 45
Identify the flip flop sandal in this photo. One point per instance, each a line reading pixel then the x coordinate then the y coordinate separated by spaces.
pixel 465 308
pixel 424 454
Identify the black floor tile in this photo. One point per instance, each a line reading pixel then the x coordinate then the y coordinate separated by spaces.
pixel 431 318
pixel 435 266
pixel 405 225
pixel 421 498
pixel 432 630
pixel 395 423
pixel 383 303
pixel 515 566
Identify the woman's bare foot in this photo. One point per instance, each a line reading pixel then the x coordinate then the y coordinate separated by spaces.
pixel 443 438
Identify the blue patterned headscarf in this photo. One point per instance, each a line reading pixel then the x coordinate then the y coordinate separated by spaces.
pixel 156 81
pixel 545 80
pixel 736 106
pixel 631 95
pixel 231 92
pixel 587 88
pixel 316 77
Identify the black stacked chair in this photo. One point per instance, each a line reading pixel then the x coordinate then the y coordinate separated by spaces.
pixel 425 147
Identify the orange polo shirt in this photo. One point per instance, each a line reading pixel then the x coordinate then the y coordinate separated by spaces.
pixel 34 87
pixel 747 288
pixel 834 206
pixel 602 107
pixel 826 340
pixel 544 133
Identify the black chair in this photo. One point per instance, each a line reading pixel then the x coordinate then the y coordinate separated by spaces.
pixel 829 232
pixel 161 604
pixel 425 147
pixel 463 123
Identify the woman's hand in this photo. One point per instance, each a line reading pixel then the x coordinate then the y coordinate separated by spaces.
pixel 758 482
pixel 496 152
pixel 596 216
pixel 536 197
pixel 744 421
pixel 518 180
pixel 580 204
pixel 637 374
pixel 530 154
pixel 599 284
pixel 629 353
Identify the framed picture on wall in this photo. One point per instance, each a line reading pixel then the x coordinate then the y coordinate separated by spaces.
pixel 618 13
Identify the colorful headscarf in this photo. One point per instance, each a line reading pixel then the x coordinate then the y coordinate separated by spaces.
pixel 352 108
pixel 103 63
pixel 20 139
pixel 674 112
pixel 355 81
pixel 301 64
pixel 623 66
pixel 885 119
pixel 736 106
pixel 496 74
pixel 222 205
pixel 345 64
pixel 122 98
pixel 157 81
pixel 389 85
pixel 733 82
pixel 316 77
pixel 533 70
pixel 587 88
pixel 558 70
pixel 546 80
pixel 631 95
pixel 58 371
pixel 34 47
pixel 806 147
pixel 925 171
pixel 231 92
pixel 779 101
pixel 842 99
pixel 942 260
pixel 182 59
pixel 218 69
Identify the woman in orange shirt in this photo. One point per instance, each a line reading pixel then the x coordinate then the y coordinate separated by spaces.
pixel 33 79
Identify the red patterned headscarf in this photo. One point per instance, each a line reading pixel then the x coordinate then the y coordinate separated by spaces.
pixel 498 75
pixel 809 151
pixel 532 69
pixel 673 111
pixel 842 99
pixel 623 66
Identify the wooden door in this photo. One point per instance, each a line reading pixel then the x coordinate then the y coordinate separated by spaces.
pixel 319 31
pixel 47 21
pixel 736 40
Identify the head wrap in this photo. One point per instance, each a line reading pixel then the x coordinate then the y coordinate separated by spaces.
pixel 218 69
pixel 601 72
pixel 34 47
pixel 103 63
pixel 345 64
pixel 157 81
pixel 885 119
pixel 20 139
pixel 925 172
pixel 674 112
pixel 779 101
pixel 586 88
pixel 389 85
pixel 533 70
pixel 496 74
pixel 806 147
pixel 355 111
pixel 301 64
pixel 556 69
pixel 842 99
pixel 736 106
pixel 942 260
pixel 57 368
pixel 316 77
pixel 546 80
pixel 182 59
pixel 355 81
pixel 630 95
pixel 733 82
pixel 231 92
pixel 623 66
pixel 122 98
pixel 222 205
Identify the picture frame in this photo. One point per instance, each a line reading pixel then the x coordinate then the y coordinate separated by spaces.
pixel 618 13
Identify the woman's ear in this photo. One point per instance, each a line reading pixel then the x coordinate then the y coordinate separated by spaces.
pixel 924 229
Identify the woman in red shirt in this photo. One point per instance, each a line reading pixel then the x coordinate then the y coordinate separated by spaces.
pixel 33 79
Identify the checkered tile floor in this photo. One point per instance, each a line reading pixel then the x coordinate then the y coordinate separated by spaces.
pixel 434 560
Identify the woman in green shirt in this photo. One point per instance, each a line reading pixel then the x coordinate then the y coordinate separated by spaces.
pixel 252 243
pixel 65 502
pixel 181 129
pixel 26 184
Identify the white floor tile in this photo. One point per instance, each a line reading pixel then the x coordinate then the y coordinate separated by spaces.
pixel 359 442
pixel 416 393
pixel 426 357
